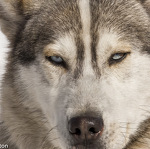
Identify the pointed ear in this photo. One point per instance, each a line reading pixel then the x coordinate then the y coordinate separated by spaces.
pixel 13 13
pixel 10 16
pixel 146 5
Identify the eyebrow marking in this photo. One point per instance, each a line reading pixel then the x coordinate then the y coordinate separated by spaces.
pixel 95 34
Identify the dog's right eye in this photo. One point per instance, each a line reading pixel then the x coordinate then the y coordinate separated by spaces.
pixel 56 60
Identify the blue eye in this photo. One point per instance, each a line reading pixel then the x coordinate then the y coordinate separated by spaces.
pixel 56 59
pixel 118 56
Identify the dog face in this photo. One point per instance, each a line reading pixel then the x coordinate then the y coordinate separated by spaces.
pixel 85 64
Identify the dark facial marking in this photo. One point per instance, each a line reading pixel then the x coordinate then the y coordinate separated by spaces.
pixel 94 4
pixel 80 46
pixel 80 57
pixel 146 49
pixel 142 1
pixel 24 54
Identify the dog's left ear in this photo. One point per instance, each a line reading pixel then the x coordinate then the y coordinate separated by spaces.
pixel 13 13
pixel 146 5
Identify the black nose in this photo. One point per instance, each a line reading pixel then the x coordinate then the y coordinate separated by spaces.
pixel 86 128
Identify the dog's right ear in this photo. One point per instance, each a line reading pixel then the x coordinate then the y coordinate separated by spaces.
pixel 11 16
pixel 13 13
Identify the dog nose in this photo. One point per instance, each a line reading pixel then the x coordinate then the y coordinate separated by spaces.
pixel 86 128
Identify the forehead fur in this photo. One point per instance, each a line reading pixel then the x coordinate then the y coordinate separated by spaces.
pixel 44 21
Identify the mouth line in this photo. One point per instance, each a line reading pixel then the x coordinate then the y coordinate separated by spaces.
pixel 85 145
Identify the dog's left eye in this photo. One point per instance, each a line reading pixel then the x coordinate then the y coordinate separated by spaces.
pixel 57 60
pixel 117 57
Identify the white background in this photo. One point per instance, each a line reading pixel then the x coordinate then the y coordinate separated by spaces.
pixel 3 53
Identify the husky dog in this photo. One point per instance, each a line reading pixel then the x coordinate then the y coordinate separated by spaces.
pixel 78 74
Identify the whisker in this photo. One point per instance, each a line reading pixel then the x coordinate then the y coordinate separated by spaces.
pixel 46 136
pixel 144 105
pixel 145 144
pixel 129 123
pixel 124 136
pixel 148 111
pixel 126 127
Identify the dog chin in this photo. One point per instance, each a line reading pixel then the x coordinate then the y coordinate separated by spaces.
pixel 87 145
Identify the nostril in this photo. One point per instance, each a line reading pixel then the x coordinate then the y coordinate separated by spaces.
pixel 77 131
pixel 84 127
pixel 92 130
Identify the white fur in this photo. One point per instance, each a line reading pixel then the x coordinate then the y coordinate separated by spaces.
pixel 86 24
pixel 121 94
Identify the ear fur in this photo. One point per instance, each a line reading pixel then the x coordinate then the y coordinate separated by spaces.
pixel 146 5
pixel 10 16
pixel 13 13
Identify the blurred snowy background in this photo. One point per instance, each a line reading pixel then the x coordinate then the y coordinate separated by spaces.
pixel 3 53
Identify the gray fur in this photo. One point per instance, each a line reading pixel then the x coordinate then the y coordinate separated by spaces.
pixel 30 26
